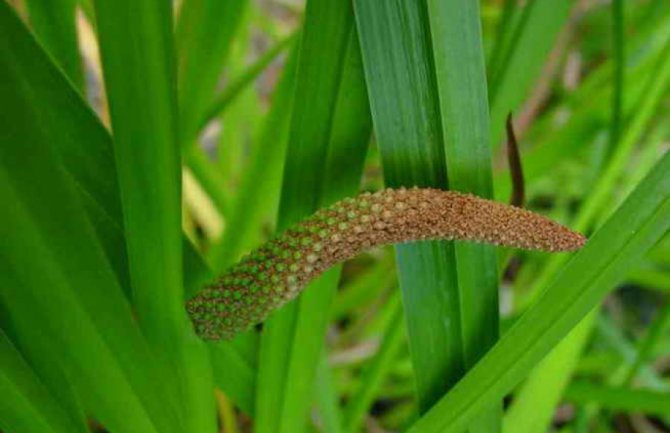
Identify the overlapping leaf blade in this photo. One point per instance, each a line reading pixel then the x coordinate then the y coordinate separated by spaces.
pixel 54 24
pixel 329 128
pixel 27 406
pixel 54 268
pixel 401 81
pixel 636 226
pixel 461 82
pixel 138 60
pixel 522 57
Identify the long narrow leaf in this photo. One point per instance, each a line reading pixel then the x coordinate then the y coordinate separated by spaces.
pixel 257 196
pixel 637 225
pixel 233 374
pixel 327 399
pixel 375 372
pixel 55 270
pixel 136 49
pixel 27 406
pixel 239 83
pixel 531 412
pixel 261 182
pixel 524 57
pixel 82 143
pixel 554 373
pixel 329 129
pixel 54 24
pixel 406 113
pixel 461 81
pixel 204 35
pixel 620 399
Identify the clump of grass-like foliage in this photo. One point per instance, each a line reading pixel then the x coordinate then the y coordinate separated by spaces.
pixel 149 146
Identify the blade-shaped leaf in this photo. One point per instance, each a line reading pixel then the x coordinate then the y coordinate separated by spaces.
pixel 619 398
pixel 461 82
pixel 54 24
pixel 204 35
pixel 523 57
pixel 261 181
pixel 54 268
pixel 26 405
pixel 559 365
pixel 136 48
pixel 405 109
pixel 82 143
pixel 636 226
pixel 329 129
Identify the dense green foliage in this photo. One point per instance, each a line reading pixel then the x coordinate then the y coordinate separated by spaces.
pixel 146 146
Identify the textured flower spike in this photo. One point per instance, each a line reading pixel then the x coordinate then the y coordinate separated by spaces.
pixel 275 273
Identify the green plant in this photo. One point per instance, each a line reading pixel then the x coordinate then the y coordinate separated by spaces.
pixel 101 246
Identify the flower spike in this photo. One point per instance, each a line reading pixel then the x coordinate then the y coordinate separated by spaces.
pixel 276 272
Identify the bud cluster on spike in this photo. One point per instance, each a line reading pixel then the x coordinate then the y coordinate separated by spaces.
pixel 276 272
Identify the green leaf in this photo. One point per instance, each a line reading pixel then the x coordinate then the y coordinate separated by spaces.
pixel 54 269
pixel 406 113
pixel 619 398
pixel 522 58
pixel 27 406
pixel 329 129
pixel 327 398
pixel 627 354
pixel 233 374
pixel 375 372
pixel 589 105
pixel 261 182
pixel 239 123
pixel 204 35
pixel 461 82
pixel 636 226
pixel 256 199
pixel 209 177
pixel 239 83
pixel 136 49
pixel 619 63
pixel 657 329
pixel 54 24
pixel 60 113
pixel 362 290
pixel 82 143
pixel 554 373
pixel 535 402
